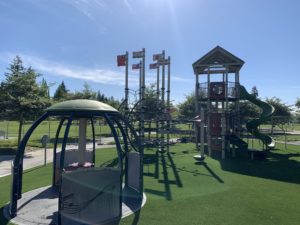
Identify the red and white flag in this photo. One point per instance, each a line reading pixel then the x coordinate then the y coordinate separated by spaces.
pixel 121 59
pixel 136 66
pixel 153 66
pixel 157 57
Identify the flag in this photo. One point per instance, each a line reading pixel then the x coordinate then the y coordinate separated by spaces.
pixel 153 66
pixel 157 57
pixel 164 62
pixel 121 60
pixel 136 66
pixel 139 54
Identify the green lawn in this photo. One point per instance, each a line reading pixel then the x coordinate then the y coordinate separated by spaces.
pixel 180 191
pixel 47 127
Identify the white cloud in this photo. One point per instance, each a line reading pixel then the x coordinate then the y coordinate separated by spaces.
pixel 97 75
pixel 88 7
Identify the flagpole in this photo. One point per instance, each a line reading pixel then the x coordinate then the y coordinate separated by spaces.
pixel 140 80
pixel 162 137
pixel 168 104
pixel 143 98
pixel 157 103
pixel 126 85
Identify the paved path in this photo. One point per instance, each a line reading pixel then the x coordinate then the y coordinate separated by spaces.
pixel 36 158
pixel 290 142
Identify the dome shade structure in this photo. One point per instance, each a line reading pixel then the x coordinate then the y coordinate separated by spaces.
pixel 81 105
pixel 87 194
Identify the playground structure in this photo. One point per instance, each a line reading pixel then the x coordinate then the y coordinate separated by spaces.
pixel 86 194
pixel 218 105
pixel 136 111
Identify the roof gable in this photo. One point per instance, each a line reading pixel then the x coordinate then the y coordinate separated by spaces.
pixel 218 57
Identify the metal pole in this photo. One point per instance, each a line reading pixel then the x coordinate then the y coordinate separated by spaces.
pixel 201 132
pixel 225 114
pixel 158 104
pixel 49 128
pixel 140 84
pixel 197 113
pixel 168 103
pixel 162 128
pixel 208 113
pixel 143 98
pixel 7 122
pixel 126 85
pixel 45 154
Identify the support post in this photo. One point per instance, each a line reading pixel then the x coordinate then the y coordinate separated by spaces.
pixel 168 104
pixel 223 122
pixel 158 105
pixel 202 132
pixel 197 113
pixel 162 124
pixel 82 140
pixel 126 85
pixel 208 113
pixel 143 99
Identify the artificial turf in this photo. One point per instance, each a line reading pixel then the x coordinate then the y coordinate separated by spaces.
pixel 182 191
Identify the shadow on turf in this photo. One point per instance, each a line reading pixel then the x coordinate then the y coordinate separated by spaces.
pixel 276 166
pixel 212 173
pixel 163 161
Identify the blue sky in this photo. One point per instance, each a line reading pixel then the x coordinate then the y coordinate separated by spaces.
pixel 77 40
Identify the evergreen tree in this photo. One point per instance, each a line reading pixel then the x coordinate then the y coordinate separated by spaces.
pixel 101 97
pixel 254 91
pixel 44 89
pixel 297 104
pixel 61 92
pixel 20 97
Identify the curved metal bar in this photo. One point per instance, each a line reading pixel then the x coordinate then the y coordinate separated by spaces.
pixel 54 149
pixel 124 135
pixel 16 192
pixel 125 147
pixel 94 139
pixel 61 163
pixel 132 130
pixel 63 147
pixel 119 148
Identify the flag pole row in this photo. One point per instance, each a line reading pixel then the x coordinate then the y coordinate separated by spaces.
pixel 160 61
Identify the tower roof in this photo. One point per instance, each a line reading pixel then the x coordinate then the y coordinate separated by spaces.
pixel 218 57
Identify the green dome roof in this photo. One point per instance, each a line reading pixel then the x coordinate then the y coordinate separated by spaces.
pixel 81 105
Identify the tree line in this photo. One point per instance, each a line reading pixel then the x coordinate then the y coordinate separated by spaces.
pixel 282 114
pixel 22 98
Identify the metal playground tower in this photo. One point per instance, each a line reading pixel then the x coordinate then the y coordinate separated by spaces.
pixel 161 118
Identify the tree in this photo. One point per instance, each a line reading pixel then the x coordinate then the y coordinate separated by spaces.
pixel 282 113
pixel 61 92
pixel 44 89
pixel 254 91
pixel 187 109
pixel 20 95
pixel 101 97
pixel 86 93
pixel 248 110
pixel 297 104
